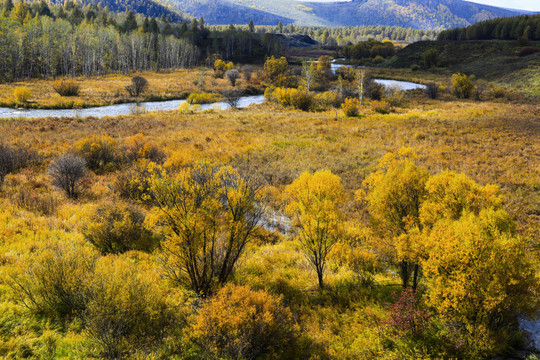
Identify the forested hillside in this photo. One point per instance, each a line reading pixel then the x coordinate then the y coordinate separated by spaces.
pixel 418 14
pixel 526 27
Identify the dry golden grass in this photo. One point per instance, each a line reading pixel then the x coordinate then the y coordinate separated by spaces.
pixel 489 142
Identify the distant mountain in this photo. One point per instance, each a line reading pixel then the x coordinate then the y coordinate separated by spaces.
pixel 218 12
pixel 419 14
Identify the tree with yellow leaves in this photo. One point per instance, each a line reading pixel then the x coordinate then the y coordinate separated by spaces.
pixel 314 206
pixel 208 214
pixel 480 277
pixel 394 195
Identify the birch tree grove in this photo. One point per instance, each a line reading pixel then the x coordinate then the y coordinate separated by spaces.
pixel 44 47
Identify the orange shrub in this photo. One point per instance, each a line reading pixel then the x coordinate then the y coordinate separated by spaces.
pixel 241 323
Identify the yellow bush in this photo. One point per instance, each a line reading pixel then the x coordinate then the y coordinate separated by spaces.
pixel 22 94
pixel 298 98
pixel 462 85
pixel 220 67
pixel 100 152
pixel 241 323
pixel 327 100
pixel 203 98
pixel 351 107
pixel 276 67
pixel 138 147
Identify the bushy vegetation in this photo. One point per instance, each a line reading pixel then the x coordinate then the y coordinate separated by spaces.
pixel 271 232
pixel 22 94
pixel 66 87
pixel 462 85
pixel 351 107
pixel 203 98
pixel 241 323
pixel 511 28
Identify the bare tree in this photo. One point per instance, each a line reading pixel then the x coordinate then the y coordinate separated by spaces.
pixel 232 75
pixel 67 172
pixel 248 72
pixel 138 86
pixel 232 97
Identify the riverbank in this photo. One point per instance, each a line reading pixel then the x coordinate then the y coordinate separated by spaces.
pixel 110 89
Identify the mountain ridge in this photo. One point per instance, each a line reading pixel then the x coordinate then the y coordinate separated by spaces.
pixel 418 14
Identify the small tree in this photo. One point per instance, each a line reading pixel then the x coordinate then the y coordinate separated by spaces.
pixel 430 58
pixel 138 86
pixel 67 172
pixel 314 201
pixel 232 97
pixel 432 90
pixel 308 74
pixel 232 75
pixel 208 215
pixel 276 68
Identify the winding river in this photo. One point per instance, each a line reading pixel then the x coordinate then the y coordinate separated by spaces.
pixel 134 108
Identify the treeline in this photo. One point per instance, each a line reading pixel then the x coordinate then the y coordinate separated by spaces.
pixel 70 40
pixel 513 28
pixel 343 36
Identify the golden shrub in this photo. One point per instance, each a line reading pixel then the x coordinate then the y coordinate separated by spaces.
pixel 351 107
pixel 241 323
pixel 22 94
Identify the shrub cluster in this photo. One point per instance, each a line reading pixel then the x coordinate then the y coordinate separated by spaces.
pixel 203 98
pixel 12 159
pixel 22 94
pixel 117 228
pixel 66 87
pixel 220 67
pixel 240 323
pixel 351 107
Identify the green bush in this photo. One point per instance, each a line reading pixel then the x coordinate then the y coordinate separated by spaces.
pixel 116 228
pixel 55 283
pixel 127 313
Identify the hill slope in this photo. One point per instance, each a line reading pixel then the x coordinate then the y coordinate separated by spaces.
pixel 420 14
